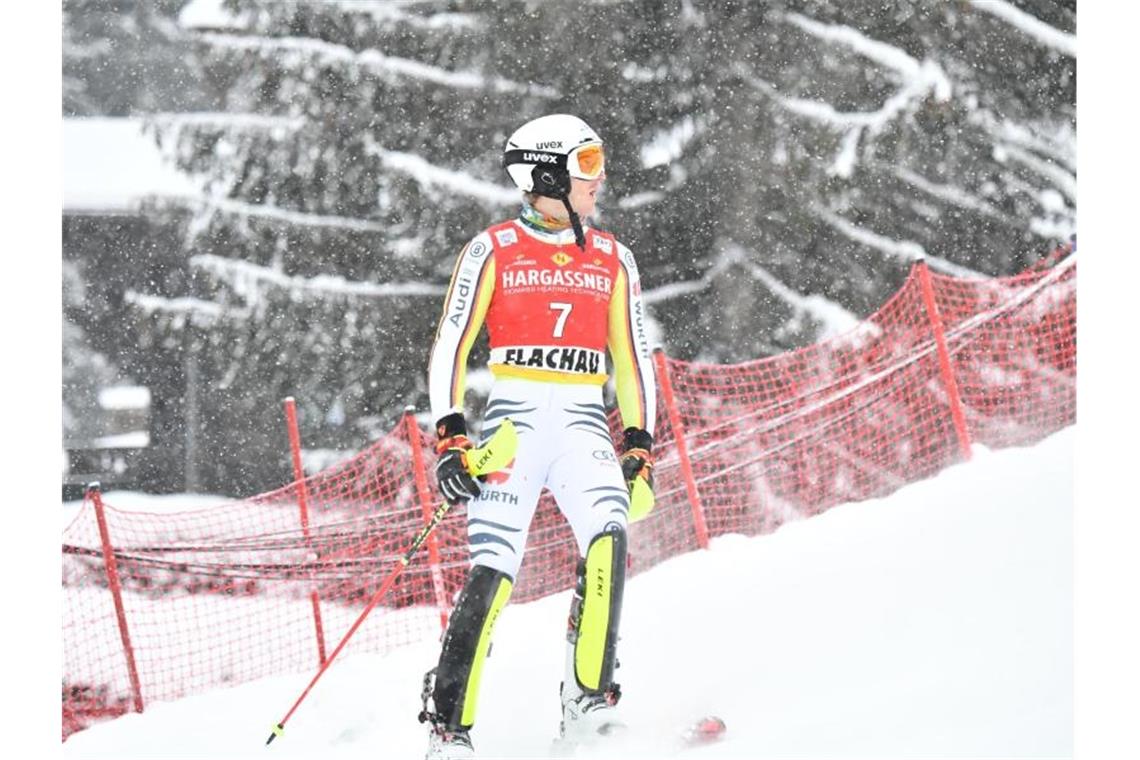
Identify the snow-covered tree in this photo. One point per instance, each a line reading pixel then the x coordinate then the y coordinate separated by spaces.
pixel 775 166
pixel 128 56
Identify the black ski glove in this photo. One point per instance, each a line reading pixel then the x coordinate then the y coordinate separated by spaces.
pixel 455 482
pixel 635 457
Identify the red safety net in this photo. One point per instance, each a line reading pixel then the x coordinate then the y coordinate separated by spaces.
pixel 249 589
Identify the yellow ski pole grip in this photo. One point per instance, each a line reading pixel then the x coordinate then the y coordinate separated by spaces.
pixel 496 454
pixel 641 499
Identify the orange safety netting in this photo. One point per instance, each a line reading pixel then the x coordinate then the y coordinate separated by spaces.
pixel 243 590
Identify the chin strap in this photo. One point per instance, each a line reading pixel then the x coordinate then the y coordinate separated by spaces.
pixel 575 222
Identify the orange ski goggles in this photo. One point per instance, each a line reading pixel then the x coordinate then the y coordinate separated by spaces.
pixel 587 162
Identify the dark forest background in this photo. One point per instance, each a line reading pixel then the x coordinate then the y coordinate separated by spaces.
pixel 771 164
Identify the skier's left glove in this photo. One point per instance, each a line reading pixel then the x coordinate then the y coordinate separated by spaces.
pixel 455 482
pixel 637 469
pixel 635 457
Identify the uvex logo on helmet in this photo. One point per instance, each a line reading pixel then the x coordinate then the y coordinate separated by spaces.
pixel 544 158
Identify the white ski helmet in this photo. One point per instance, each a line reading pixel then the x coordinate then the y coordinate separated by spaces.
pixel 556 142
pixel 543 154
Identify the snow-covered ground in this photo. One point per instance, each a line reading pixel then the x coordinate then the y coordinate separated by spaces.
pixel 937 622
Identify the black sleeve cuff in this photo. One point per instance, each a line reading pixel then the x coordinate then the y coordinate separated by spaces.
pixel 636 438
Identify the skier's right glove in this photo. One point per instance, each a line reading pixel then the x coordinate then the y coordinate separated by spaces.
pixel 455 482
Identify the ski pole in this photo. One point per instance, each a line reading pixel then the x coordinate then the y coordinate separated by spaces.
pixel 491 457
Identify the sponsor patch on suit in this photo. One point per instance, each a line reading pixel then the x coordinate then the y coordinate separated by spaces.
pixel 506 237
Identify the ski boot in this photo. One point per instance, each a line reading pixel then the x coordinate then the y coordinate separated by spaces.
pixel 587 717
pixel 444 742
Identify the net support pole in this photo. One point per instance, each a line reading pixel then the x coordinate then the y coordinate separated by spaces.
pixel 698 510
pixel 303 503
pixel 112 568
pixel 945 366
pixel 423 492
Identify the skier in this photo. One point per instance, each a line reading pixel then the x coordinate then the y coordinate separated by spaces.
pixel 554 293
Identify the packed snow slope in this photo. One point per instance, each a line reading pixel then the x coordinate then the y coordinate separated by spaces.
pixel 936 622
